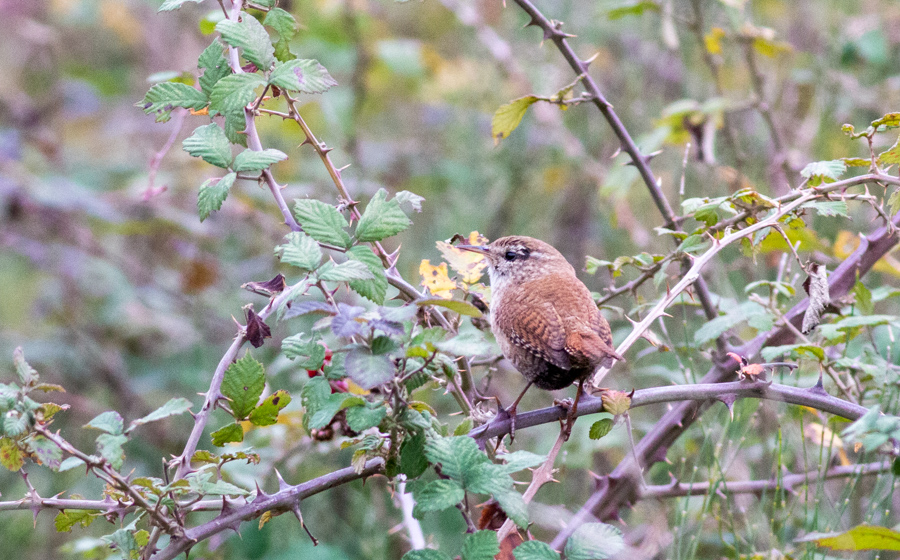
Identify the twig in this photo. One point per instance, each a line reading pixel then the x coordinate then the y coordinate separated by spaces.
pixel 542 475
pixel 786 482
pixel 214 392
pixel 813 397
pixel 106 472
pixel 283 499
pixel 156 160
pixel 413 527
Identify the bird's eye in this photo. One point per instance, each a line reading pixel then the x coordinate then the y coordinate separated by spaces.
pixel 510 255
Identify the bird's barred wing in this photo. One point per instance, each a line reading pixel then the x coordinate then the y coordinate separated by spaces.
pixel 538 328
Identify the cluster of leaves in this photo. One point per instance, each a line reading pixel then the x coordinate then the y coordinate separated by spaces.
pixel 228 93
pixel 20 413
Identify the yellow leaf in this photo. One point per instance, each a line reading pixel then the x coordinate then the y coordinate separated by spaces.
pixel 436 280
pixel 467 264
pixel 713 40
pixel 861 537
pixel 508 117
pixel 355 389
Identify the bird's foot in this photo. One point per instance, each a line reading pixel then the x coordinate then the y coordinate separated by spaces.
pixel 503 415
pixel 571 408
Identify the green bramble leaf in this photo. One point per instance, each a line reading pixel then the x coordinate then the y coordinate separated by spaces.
pixel 437 495
pixel 235 125
pixel 322 222
pixel 594 541
pixel 175 406
pixel 692 244
pixel 425 554
pixel 412 456
pixel 68 518
pixel 243 384
pixel 631 9
pixel 891 155
pixel 466 344
pixel 257 160
pixel 251 37
pixel 409 201
pixel 285 27
pixel 459 306
pixel 321 404
pixel 859 538
pixel 45 452
pixel 110 448
pixel 600 428
pixel 305 76
pixel 382 218
pixel 513 506
pixel 457 455
pixel 209 143
pixel 508 117
pixel 794 351
pixel 304 348
pixel 535 550
pixel 124 542
pixel 839 329
pixel 890 120
pixel 170 5
pixel 11 457
pixel 712 329
pixel 231 433
pixel 70 463
pixel 344 272
pixel 894 202
pixel 27 374
pixel 823 172
pixel 828 207
pixel 300 250
pixel 163 97
pixel 368 370
pixel 233 92
pixel 214 65
pixel 110 422
pixel 266 413
pixel 518 460
pixel 15 423
pixel 375 288
pixel 213 193
pixel 863 298
pixel 361 418
pixel 856 161
pixel 206 483
pixel 481 545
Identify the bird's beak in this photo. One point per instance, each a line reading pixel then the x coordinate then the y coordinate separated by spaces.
pixel 474 248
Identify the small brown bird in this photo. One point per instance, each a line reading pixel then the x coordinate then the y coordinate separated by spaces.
pixel 544 317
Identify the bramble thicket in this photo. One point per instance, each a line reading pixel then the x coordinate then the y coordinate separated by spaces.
pixel 238 326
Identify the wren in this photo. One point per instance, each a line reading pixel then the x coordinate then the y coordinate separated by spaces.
pixel 544 317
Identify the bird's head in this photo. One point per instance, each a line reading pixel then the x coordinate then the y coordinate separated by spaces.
pixel 517 259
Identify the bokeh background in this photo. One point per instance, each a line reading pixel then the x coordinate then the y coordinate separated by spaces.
pixel 117 291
